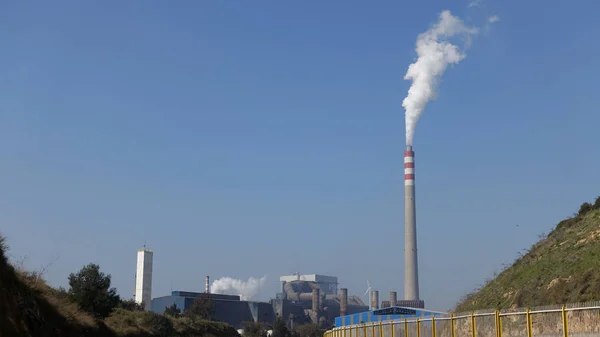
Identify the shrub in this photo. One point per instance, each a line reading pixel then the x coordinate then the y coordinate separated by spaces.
pixel 584 208
pixel 597 203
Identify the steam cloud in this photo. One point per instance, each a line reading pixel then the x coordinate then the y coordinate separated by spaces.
pixel 435 53
pixel 245 289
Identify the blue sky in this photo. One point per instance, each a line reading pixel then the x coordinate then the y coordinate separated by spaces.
pixel 247 138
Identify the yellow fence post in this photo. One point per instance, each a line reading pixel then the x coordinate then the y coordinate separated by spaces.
pixel 392 327
pixel 473 327
pixel 372 329
pixel 565 322
pixel 452 328
pixel 418 328
pixel 433 332
pixel 380 329
pixel 405 327
pixel 529 324
pixel 365 330
pixel 498 323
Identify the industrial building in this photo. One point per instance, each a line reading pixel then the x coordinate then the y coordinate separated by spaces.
pixel 304 298
pixel 314 298
pixel 387 314
pixel 228 308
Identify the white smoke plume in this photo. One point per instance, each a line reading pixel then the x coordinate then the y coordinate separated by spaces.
pixel 247 290
pixel 434 53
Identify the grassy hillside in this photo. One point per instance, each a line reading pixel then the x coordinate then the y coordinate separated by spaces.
pixel 561 268
pixel 30 308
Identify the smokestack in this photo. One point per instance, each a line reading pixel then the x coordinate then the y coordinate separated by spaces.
pixel 315 299
pixel 393 298
pixel 343 302
pixel 411 273
pixel 374 299
pixel 207 285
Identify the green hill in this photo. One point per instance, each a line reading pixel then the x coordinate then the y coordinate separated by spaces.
pixel 31 308
pixel 561 268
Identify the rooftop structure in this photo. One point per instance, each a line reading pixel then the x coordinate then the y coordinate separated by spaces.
pixel 327 284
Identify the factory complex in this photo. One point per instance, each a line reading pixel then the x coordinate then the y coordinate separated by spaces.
pixel 303 299
pixel 310 298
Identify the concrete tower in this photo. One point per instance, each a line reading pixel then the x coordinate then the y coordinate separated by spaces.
pixel 411 272
pixel 143 278
pixel 343 301
pixel 374 300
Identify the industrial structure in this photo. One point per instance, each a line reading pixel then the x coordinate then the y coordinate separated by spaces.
pixel 411 269
pixel 227 308
pixel 304 299
pixel 314 298
pixel 387 314
pixel 385 311
pixel 327 284
pixel 143 278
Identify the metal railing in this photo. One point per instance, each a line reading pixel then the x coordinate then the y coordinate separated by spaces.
pixel 582 321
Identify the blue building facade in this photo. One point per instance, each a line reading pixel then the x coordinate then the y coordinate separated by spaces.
pixel 184 299
pixel 228 308
pixel 387 314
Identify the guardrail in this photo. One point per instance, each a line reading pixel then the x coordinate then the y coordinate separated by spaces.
pixel 563 322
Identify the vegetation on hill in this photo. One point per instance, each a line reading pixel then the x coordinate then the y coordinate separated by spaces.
pixel 90 307
pixel 561 268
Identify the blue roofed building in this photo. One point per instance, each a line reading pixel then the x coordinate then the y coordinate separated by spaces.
pixel 387 314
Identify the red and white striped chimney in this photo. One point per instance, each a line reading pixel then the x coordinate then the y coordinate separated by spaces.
pixel 411 274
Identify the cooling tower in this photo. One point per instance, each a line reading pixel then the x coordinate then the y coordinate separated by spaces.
pixel 343 302
pixel 411 272
pixel 393 298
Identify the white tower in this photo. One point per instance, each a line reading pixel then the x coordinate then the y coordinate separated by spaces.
pixel 143 278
